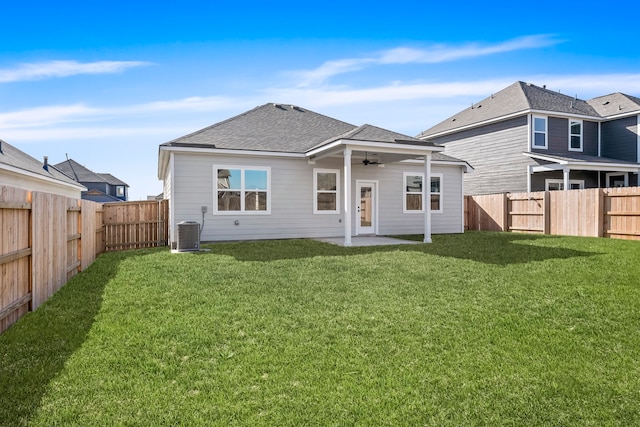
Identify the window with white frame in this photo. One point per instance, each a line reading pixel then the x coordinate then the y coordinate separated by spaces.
pixel 120 191
pixel 615 179
pixel 539 132
pixel 326 191
pixel 412 193
pixel 242 189
pixel 575 135
pixel 558 184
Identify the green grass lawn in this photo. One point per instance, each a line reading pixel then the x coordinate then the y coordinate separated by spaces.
pixel 475 329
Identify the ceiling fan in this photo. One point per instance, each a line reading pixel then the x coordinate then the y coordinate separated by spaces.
pixel 366 160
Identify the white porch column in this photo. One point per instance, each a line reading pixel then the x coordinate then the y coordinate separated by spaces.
pixel 529 173
pixel 567 186
pixel 347 196
pixel 427 198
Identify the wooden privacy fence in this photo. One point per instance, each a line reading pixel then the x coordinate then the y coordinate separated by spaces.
pixel 609 212
pixel 136 225
pixel 46 239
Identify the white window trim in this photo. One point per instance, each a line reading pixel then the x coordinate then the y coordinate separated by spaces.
pixel 561 181
pixel 546 133
pixel 424 189
pixel 242 190
pixel 315 191
pixel 612 174
pixel 581 135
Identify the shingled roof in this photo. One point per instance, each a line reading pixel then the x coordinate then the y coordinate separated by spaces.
pixel 82 174
pixel 519 97
pixel 270 127
pixel 11 156
pixel 614 104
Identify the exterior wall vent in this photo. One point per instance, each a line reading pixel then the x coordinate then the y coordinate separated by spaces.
pixel 188 236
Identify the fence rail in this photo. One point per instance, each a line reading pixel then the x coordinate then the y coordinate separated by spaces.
pixel 46 239
pixel 609 212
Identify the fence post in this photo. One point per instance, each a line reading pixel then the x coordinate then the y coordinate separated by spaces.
pixel 546 213
pixel 505 212
pixel 601 212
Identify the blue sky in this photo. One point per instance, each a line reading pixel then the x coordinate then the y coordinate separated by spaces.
pixel 107 82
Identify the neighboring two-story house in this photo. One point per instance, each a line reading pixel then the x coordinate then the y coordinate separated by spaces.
pixel 529 138
pixel 102 187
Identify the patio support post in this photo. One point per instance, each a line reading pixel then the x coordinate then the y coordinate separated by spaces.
pixel 427 198
pixel 347 196
pixel 565 171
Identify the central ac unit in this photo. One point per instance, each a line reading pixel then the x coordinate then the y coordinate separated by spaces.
pixel 188 236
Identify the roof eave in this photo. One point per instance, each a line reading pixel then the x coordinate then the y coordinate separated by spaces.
pixel 13 169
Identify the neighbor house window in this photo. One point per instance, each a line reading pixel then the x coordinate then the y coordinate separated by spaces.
pixel 575 135
pixel 120 191
pixel 242 189
pixel 558 184
pixel 539 132
pixel 326 191
pixel 615 179
pixel 413 191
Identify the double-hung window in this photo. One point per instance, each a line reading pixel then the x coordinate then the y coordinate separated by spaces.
pixel 539 132
pixel 242 189
pixel 413 191
pixel 575 135
pixel 326 191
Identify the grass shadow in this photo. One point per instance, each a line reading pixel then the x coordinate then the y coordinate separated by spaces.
pixel 487 247
pixel 35 349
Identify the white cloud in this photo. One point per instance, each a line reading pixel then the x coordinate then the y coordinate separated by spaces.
pixel 445 53
pixel 393 102
pixel 53 69
pixel 46 116
pixel 429 55
pixel 63 114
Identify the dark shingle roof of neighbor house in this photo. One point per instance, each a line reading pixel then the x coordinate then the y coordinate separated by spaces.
pixel 99 196
pixel 81 174
pixel 524 97
pixel 284 128
pixel 614 104
pixel 112 180
pixel 11 156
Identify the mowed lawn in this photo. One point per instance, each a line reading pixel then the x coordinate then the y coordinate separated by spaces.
pixel 475 329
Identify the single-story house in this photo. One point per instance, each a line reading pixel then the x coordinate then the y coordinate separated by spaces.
pixel 20 170
pixel 281 171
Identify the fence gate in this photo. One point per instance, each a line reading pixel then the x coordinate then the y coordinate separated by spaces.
pixel 135 225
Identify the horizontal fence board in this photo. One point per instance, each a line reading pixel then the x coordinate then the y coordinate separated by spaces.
pixel 13 256
pixel 10 308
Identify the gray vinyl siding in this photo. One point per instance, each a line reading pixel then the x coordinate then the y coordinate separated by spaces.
pixel 495 152
pixel 292 195
pixel 558 137
pixel 620 139
pixel 590 138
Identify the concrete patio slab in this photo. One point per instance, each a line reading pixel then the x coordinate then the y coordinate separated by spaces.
pixel 359 241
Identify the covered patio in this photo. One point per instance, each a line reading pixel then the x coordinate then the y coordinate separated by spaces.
pixel 374 151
